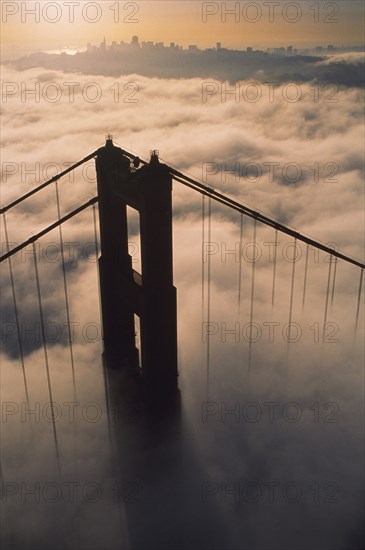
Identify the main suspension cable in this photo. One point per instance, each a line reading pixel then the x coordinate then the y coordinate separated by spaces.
pixel 234 205
pixel 48 229
pixel 46 183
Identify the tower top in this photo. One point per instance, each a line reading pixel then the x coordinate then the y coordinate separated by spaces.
pixel 109 140
pixel 154 156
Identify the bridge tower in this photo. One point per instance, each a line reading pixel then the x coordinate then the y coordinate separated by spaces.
pixel 124 292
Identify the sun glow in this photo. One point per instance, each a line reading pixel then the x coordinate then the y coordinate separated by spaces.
pixel 55 25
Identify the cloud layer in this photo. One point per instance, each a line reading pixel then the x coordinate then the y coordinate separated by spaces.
pixel 280 156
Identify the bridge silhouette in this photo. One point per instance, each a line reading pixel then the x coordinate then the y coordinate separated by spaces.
pixel 123 180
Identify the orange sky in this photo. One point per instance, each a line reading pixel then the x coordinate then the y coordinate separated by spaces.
pixel 181 22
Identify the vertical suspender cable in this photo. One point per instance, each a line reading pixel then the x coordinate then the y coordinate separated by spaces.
pixel 274 271
pixel 66 295
pixel 327 297
pixel 203 256
pixel 68 325
pixel 46 358
pixel 240 267
pixel 96 250
pixel 292 290
pixel 334 279
pixel 359 300
pixel 106 389
pixel 252 293
pixel 69 339
pixel 16 314
pixel 305 275
pixel 97 264
pixel 208 292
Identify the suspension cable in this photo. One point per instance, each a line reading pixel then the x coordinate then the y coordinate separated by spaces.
pixel 327 297
pixel 16 314
pixel 359 300
pixel 203 255
pixel 292 290
pixel 66 295
pixel 46 183
pixel 334 280
pixel 209 191
pixel 234 205
pixel 97 260
pixel 305 275
pixel 274 270
pixel 97 267
pixel 46 357
pixel 208 294
pixel 252 293
pixel 105 380
pixel 48 229
pixel 240 266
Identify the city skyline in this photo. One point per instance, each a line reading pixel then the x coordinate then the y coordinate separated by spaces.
pixel 202 23
pixel 135 44
pixel 146 44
